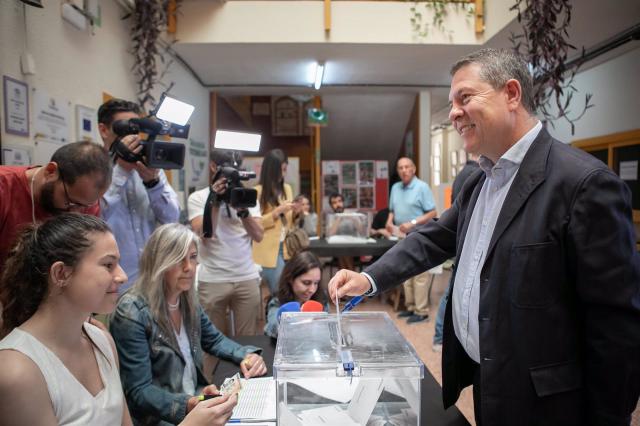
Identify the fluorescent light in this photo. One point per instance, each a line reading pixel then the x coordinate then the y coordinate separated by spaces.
pixel 174 111
pixel 319 75
pixel 237 140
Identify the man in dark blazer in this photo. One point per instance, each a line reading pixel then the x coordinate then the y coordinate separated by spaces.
pixel 544 314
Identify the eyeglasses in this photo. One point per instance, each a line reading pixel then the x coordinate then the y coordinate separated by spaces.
pixel 69 202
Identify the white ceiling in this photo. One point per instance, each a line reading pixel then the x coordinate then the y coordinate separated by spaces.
pixel 369 90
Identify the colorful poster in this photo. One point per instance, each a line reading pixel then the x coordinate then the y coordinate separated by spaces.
pixel 348 174
pixel 350 196
pixel 365 173
pixel 330 184
pixel 366 198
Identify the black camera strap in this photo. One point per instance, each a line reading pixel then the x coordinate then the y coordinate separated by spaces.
pixel 206 220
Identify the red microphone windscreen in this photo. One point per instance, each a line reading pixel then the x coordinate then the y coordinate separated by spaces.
pixel 312 306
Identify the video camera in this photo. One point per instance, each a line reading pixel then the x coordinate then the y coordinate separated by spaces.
pixel 170 118
pixel 236 195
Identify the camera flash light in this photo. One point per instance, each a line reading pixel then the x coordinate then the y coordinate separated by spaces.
pixel 174 111
pixel 237 140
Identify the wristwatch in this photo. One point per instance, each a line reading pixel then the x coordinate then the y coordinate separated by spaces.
pixel 414 222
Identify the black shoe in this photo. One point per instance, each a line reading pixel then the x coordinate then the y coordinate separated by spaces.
pixel 405 314
pixel 417 318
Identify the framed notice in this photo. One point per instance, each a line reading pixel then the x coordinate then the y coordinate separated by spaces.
pixel 16 106
pixel 86 124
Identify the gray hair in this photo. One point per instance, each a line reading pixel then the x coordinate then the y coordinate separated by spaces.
pixel 167 247
pixel 497 66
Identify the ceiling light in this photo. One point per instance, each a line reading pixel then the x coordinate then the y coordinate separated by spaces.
pixel 319 74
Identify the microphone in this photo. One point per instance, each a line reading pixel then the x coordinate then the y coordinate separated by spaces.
pixel 312 306
pixel 288 307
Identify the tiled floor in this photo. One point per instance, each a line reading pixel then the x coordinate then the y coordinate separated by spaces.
pixel 421 336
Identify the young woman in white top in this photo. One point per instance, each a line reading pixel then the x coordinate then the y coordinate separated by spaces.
pixel 64 371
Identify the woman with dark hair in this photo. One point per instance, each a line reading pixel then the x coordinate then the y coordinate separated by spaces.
pixel 277 208
pixel 161 332
pixel 64 370
pixel 299 282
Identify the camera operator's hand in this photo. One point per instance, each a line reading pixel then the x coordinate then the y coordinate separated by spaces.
pixel 219 186
pixel 146 174
pixel 132 142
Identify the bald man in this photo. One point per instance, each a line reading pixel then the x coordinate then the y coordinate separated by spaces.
pixel 411 204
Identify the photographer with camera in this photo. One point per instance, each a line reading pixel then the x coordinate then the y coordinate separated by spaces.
pixel 225 216
pixel 139 198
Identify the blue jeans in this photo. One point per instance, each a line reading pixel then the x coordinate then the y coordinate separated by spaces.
pixel 437 337
pixel 272 275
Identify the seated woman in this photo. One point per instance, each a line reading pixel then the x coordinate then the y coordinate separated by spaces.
pixel 298 283
pixel 161 332
pixel 64 370
pixel 308 220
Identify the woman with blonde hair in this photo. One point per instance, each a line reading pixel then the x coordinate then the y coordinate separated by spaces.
pixel 278 210
pixel 161 333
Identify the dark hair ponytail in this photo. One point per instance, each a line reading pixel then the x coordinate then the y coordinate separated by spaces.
pixel 25 279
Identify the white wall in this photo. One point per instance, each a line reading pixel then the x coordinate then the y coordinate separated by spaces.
pixel 205 21
pixel 79 66
pixel 616 93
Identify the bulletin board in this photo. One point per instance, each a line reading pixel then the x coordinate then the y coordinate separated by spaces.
pixel 364 184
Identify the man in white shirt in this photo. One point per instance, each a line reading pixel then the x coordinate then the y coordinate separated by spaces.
pixel 228 278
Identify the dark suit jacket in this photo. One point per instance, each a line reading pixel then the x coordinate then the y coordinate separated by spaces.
pixel 559 293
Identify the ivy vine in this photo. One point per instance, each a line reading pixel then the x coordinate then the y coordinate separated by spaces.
pixel 440 11
pixel 544 44
pixel 149 48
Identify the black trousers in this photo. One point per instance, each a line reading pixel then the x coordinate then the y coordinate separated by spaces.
pixel 477 397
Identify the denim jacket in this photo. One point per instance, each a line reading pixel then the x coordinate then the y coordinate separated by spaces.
pixel 151 364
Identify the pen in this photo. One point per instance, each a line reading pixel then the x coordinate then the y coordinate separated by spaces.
pixel 205 397
pixel 250 420
pixel 352 303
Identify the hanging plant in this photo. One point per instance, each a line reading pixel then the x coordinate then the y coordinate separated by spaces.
pixel 149 49
pixel 544 44
pixel 439 8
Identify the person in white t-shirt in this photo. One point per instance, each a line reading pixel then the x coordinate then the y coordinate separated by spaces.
pixel 228 276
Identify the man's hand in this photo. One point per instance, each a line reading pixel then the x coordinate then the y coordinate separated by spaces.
pixel 215 411
pixel 406 227
pixel 348 283
pixel 253 366
pixel 132 143
pixel 146 174
pixel 219 186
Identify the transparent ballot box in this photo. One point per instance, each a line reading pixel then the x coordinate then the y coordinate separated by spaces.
pixel 359 372
pixel 346 227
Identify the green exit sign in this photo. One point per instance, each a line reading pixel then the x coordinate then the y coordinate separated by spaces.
pixel 317 117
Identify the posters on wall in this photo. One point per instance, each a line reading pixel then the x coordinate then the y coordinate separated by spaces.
pixel 14 156
pixel 50 124
pixel 348 174
pixel 86 124
pixel 363 184
pixel 16 106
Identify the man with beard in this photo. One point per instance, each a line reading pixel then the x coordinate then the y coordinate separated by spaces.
pixel 74 180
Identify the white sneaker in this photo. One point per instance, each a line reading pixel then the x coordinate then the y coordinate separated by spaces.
pixel 437 347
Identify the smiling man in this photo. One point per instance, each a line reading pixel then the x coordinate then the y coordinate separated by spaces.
pixel 74 180
pixel 544 314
